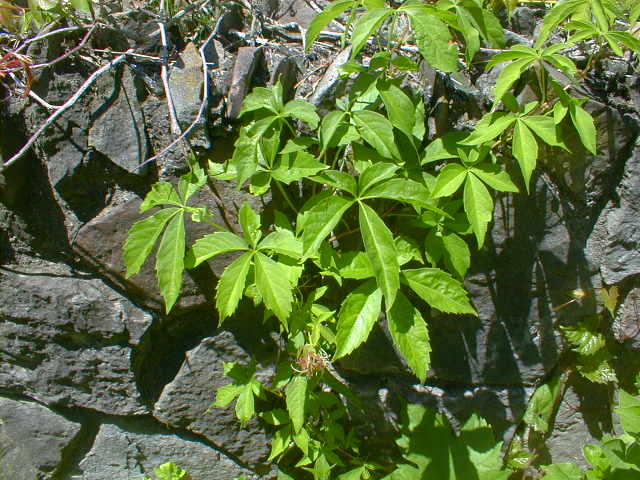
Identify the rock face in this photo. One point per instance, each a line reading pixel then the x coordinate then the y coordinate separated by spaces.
pixel 97 382
pixel 33 440
pixel 117 452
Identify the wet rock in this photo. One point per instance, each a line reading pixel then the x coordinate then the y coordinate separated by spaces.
pixel 66 340
pixel 33 440
pixel 120 452
pixel 185 401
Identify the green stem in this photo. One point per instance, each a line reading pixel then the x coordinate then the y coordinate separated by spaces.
pixel 286 197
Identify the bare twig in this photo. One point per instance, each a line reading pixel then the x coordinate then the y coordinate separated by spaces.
pixel 201 110
pixel 164 74
pixel 47 35
pixel 82 43
pixel 33 94
pixel 149 58
pixel 63 108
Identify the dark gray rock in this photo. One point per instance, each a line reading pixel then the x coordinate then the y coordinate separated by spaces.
pixel 66 340
pixel 185 82
pixel 119 453
pixel 584 414
pixel 327 85
pixel 587 180
pixel 33 440
pixel 185 402
pixel 527 267
pixel 614 243
pixel 117 124
pixel 108 257
pixel 243 69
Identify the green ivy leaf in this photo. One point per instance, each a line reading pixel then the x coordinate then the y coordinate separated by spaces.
pixel 585 340
pixel 404 190
pixel 377 131
pixel 332 129
pixel 280 443
pixel 320 220
pixel 320 22
pixel 485 22
pixel 399 107
pixel 359 313
pixel 171 471
pixel 509 75
pixel 231 285
pixel 142 237
pixel 585 126
pixel 296 397
pixel 227 394
pixel 375 174
pixel 439 289
pixel 212 245
pixel 542 405
pixel 282 242
pixel 294 166
pixel 560 12
pixel 272 280
pixel 488 128
pixel 479 207
pixel 381 250
pixel 457 254
pixel 410 335
pixel 449 180
pixel 193 181
pixel 366 26
pixel 276 417
pixel 337 179
pixel 434 451
pixel 355 265
pixel 82 5
pixel 629 411
pixel 250 223
pixel 525 149
pixel 562 471
pixel 170 261
pixel 245 405
pixel 493 176
pixel 302 110
pixel 162 193
pixel 433 37
pixel 597 367
pixel 355 474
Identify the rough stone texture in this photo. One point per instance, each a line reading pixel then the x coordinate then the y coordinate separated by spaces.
pixel 185 82
pixel 80 338
pixel 583 414
pixel 614 244
pixel 67 341
pixel 186 400
pixel 118 129
pixel 120 453
pixel 33 440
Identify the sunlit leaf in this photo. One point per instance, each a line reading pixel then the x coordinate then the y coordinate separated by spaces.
pixel 381 250
pixel 358 314
pixel 170 260
pixel 231 285
pixel 439 289
pixel 410 335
